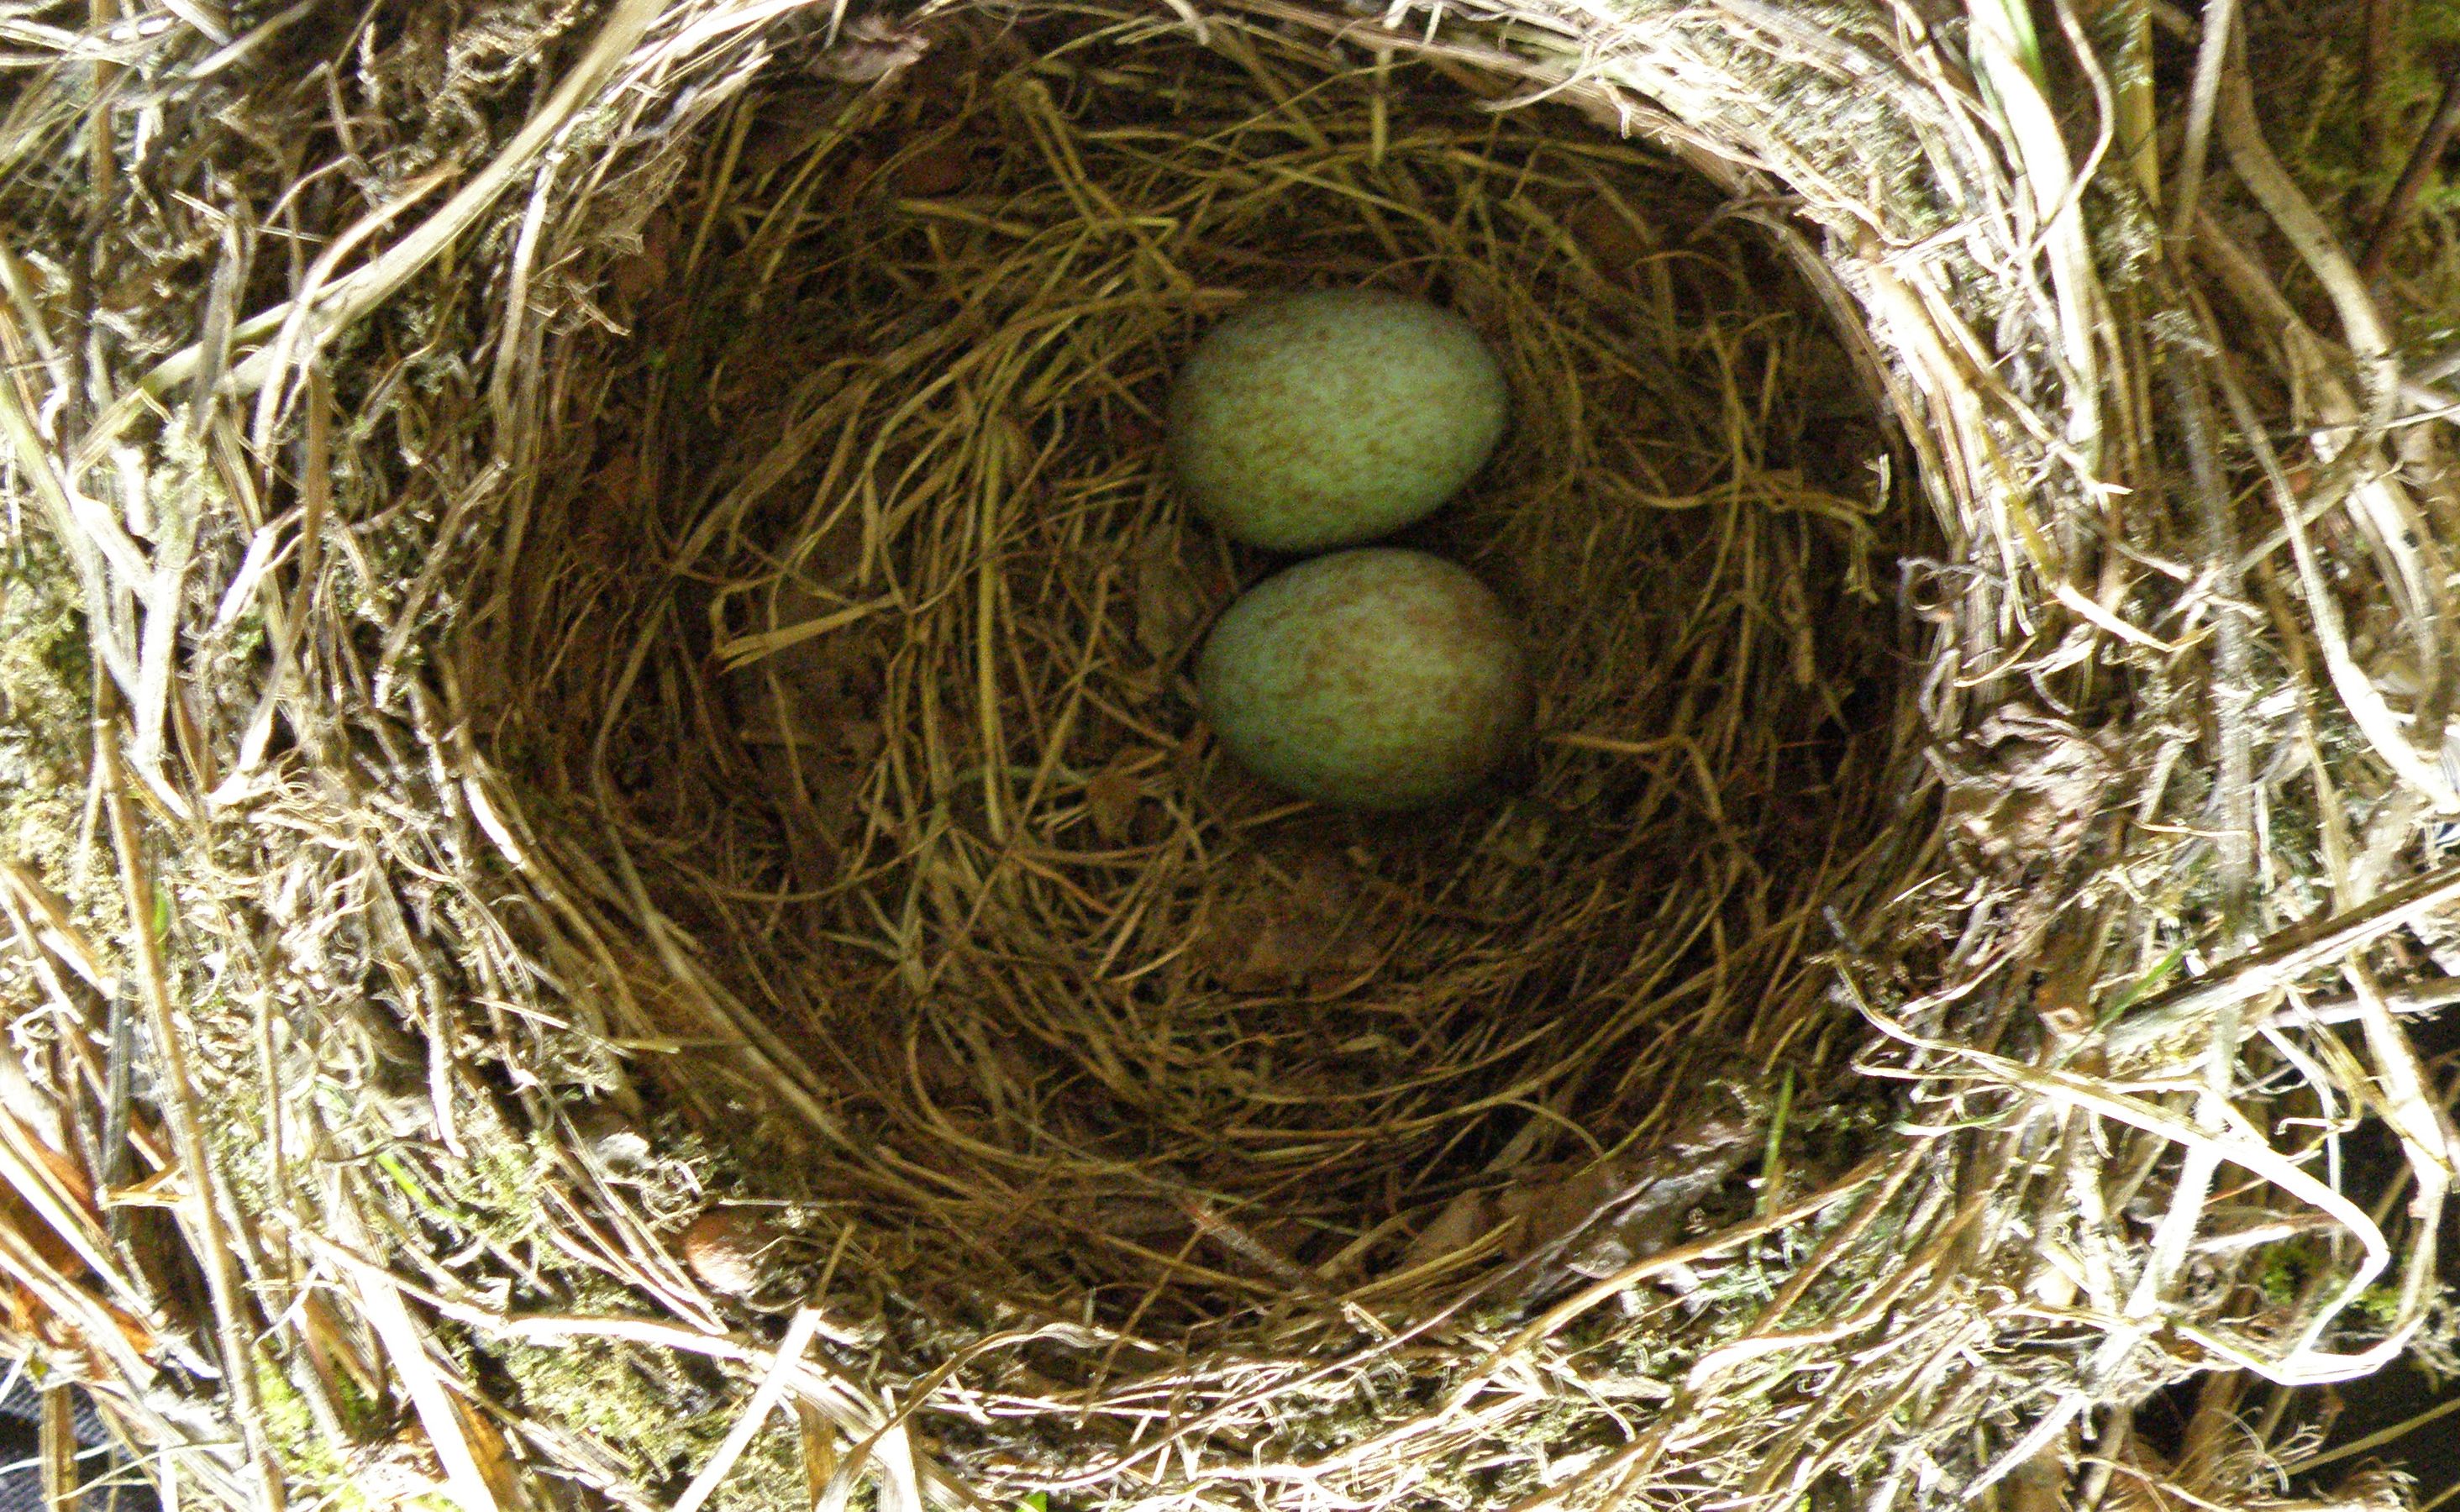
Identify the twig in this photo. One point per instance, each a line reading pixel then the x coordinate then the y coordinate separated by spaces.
pixel 351 297
pixel 2233 682
pixel 2237 1145
pixel 2422 164
pixel 118 1098
pixel 772 1389
pixel 2383 28
pixel 2289 954
pixel 2307 232
pixel 57 1437
pixel 2307 1463
pixel 2211 56
pixel 2130 1035
pixel 380 1303
pixel 180 1110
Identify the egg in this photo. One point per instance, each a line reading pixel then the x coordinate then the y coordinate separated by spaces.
pixel 1376 678
pixel 1311 420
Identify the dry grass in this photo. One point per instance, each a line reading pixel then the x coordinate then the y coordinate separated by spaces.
pixel 902 732
pixel 639 660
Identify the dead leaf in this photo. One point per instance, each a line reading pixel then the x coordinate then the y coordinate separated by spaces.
pixel 615 482
pixel 859 173
pixel 1141 686
pixel 2037 785
pixel 40 1237
pixel 1111 797
pixel 772 709
pixel 610 1135
pixel 1187 757
pixel 1556 1209
pixel 1688 1170
pixel 1351 954
pixel 944 1080
pixel 1281 950
pixel 730 1250
pixel 1169 606
pixel 819 807
pixel 1323 884
pixel 634 276
pixel 790 125
pixel 871 50
pixel 1149 1220
pixel 494 1456
pixel 1827 380
pixel 1456 1228
pixel 1611 240
pixel 941 168
pixel 1277 948
pixel 862 739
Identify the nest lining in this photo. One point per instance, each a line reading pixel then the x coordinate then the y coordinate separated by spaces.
pixel 913 730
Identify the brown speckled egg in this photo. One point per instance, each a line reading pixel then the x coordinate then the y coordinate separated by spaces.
pixel 1374 679
pixel 1326 418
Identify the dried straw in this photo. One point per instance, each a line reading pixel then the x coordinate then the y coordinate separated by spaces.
pixel 594 636
pixel 1023 925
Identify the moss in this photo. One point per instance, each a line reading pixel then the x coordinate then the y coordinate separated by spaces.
pixel 2382 1304
pixel 45 691
pixel 2341 143
pixel 769 1478
pixel 2286 1269
pixel 658 1414
pixel 2347 141
pixel 307 1454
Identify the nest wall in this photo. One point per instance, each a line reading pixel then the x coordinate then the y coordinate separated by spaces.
pixel 617 870
pixel 1005 910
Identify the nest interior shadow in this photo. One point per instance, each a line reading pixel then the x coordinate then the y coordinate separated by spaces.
pixel 863 620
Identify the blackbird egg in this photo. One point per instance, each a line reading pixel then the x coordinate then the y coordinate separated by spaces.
pixel 1374 679
pixel 1326 418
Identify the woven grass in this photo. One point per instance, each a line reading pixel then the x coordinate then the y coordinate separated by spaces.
pixel 616 894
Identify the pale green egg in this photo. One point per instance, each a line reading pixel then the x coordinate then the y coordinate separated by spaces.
pixel 1320 419
pixel 1373 679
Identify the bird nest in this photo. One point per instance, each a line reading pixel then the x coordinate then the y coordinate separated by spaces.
pixel 619 895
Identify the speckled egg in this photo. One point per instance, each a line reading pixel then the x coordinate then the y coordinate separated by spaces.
pixel 1320 419
pixel 1374 679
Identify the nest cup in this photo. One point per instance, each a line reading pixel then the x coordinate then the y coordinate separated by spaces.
pixel 890 609
pixel 643 682
pixel 865 578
